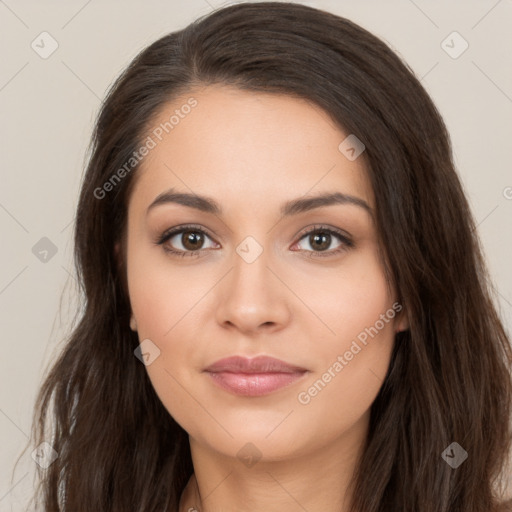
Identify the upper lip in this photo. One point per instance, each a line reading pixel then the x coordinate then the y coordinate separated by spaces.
pixel 260 364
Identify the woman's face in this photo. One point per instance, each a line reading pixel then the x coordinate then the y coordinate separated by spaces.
pixel 258 284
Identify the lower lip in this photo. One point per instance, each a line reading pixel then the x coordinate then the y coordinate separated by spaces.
pixel 254 384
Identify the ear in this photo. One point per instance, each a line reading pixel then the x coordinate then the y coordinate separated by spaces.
pixel 120 265
pixel 117 253
pixel 402 320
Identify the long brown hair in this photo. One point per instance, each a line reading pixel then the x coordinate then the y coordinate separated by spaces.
pixel 449 379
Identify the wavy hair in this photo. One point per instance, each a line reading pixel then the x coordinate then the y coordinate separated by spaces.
pixel 449 378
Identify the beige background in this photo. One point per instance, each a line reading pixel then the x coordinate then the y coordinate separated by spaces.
pixel 48 107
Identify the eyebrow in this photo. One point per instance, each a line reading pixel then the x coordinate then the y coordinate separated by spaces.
pixel 292 207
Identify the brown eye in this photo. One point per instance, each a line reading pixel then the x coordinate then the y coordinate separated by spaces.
pixel 192 240
pixel 320 241
pixel 185 241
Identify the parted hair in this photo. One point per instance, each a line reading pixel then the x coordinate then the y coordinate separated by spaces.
pixel 449 378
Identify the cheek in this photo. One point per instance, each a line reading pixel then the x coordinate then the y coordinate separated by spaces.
pixel 163 295
pixel 348 300
pixel 165 301
pixel 351 360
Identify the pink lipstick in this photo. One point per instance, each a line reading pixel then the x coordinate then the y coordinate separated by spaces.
pixel 253 377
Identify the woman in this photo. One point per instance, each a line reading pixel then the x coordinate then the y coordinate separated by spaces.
pixel 286 302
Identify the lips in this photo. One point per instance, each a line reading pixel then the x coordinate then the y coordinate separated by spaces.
pixel 253 377
pixel 260 364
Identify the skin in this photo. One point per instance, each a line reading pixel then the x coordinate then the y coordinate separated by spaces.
pixel 252 152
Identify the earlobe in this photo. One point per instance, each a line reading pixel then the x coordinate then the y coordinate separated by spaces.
pixel 119 262
pixel 402 321
pixel 117 248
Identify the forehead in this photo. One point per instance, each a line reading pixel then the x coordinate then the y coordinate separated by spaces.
pixel 246 146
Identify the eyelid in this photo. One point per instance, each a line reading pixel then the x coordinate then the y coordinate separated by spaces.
pixel 171 232
pixel 178 229
pixel 344 237
pixel 324 228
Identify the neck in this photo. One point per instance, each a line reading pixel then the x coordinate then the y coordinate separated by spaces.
pixel 316 480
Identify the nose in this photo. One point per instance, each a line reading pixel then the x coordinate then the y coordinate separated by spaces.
pixel 253 297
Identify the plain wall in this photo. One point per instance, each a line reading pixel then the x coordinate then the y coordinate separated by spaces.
pixel 49 105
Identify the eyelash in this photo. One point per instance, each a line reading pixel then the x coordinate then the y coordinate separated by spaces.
pixel 346 242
